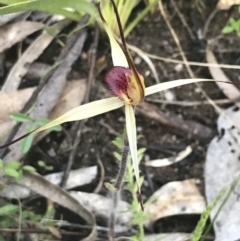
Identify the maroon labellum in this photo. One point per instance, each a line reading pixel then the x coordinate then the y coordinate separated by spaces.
pixel 122 82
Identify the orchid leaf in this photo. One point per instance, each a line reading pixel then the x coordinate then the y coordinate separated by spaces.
pixel 132 139
pixel 172 84
pixel 85 111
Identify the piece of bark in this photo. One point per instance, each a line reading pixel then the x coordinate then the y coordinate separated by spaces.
pixel 191 129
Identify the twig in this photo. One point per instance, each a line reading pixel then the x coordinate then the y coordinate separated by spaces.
pixel 189 103
pixel 176 61
pixel 77 127
pixel 209 20
pixel 29 230
pixel 109 128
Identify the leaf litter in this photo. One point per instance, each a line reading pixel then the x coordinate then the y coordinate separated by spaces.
pixel 175 198
pixel 171 236
pixel 221 170
pixel 16 32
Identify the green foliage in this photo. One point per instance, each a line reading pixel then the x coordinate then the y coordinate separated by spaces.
pixel 45 166
pixel 204 217
pixel 11 216
pixel 15 169
pixel 26 143
pixel 72 9
pixel 8 209
pixel 232 26
pixel 125 8
pixel 200 232
pixel 139 217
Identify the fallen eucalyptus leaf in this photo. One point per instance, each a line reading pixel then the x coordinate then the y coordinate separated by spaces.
pixel 168 237
pixel 44 188
pixel 102 206
pixel 226 4
pixel 221 170
pixel 13 33
pixel 175 198
pixel 170 160
pixel 32 53
pixel 230 90
pixel 71 97
pixel 8 17
pixel 51 92
pixel 13 101
pixel 77 178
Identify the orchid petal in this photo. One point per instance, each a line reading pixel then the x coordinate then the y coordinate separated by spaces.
pixel 132 139
pixel 85 111
pixel 118 56
pixel 172 84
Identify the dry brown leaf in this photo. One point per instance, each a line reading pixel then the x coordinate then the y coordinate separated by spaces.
pixel 12 101
pixel 71 97
pixel 170 160
pixel 32 53
pixel 13 33
pixel 175 198
pixel 168 237
pixel 8 17
pixel 38 184
pixel 226 4
pixel 221 171
pixel 51 92
pixel 77 178
pixel 228 89
pixel 101 206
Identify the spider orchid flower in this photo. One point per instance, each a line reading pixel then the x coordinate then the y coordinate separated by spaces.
pixel 126 84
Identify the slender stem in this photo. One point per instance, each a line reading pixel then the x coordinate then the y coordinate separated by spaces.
pixel 118 185
pixel 123 164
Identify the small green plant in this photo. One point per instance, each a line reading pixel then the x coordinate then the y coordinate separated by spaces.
pixel 201 231
pixel 12 215
pixel 43 165
pixel 72 9
pixel 15 169
pixel 21 117
pixel 233 26
pixel 139 217
pixel 125 8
